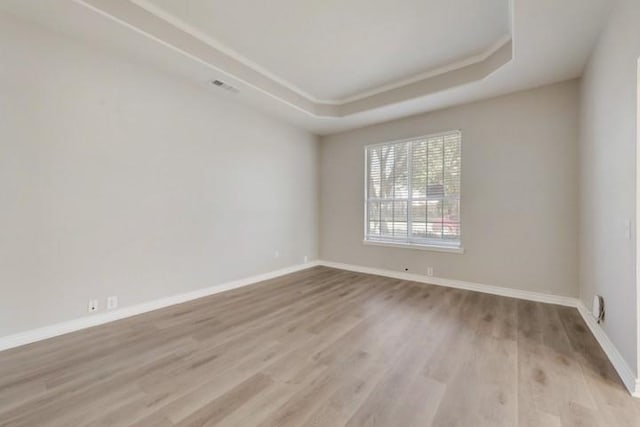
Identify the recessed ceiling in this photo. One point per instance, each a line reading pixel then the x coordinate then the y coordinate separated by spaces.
pixel 336 50
pixel 549 41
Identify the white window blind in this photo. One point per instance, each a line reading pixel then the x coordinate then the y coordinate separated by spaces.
pixel 413 191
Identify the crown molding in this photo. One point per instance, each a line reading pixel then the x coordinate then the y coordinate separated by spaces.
pixel 216 44
pixel 475 59
pixel 192 30
pixel 147 19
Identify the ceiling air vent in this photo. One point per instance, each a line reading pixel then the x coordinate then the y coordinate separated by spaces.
pixel 223 85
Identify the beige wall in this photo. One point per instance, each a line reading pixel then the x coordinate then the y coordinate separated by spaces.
pixel 608 174
pixel 519 192
pixel 116 179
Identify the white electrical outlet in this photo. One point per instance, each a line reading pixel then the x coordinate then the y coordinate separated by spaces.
pixel 306 259
pixel 93 305
pixel 430 271
pixel 276 254
pixel 112 302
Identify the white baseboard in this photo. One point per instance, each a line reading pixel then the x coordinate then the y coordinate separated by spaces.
pixel 62 328
pixel 458 284
pixel 631 382
pixel 622 367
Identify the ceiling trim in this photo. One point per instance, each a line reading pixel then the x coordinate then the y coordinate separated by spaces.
pixel 438 83
pixel 501 42
pixel 145 18
pixel 190 29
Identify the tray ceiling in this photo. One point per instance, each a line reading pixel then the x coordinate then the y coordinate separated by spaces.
pixel 548 41
pixel 334 51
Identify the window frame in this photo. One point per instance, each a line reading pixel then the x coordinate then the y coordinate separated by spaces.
pixel 426 244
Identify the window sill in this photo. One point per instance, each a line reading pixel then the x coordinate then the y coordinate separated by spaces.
pixel 445 249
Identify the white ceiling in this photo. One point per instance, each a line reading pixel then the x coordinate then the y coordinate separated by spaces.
pixel 551 42
pixel 331 50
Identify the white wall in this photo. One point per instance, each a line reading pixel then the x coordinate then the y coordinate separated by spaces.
pixel 608 174
pixel 116 179
pixel 519 192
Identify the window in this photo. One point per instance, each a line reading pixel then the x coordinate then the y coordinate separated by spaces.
pixel 413 192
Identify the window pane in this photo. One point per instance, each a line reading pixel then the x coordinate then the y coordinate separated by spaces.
pixel 434 230
pixel 401 171
pixel 419 169
pixel 419 229
pixel 373 216
pixel 386 215
pixel 435 165
pixel 419 211
pixel 373 172
pixel 451 231
pixel 400 230
pixel 400 219
pixel 434 210
pixel 451 210
pixel 452 160
pixel 374 228
pixel 419 219
pixel 387 161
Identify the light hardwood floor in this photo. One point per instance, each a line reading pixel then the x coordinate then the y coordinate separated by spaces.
pixel 323 347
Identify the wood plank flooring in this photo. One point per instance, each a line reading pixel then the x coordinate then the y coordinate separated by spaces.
pixel 323 347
